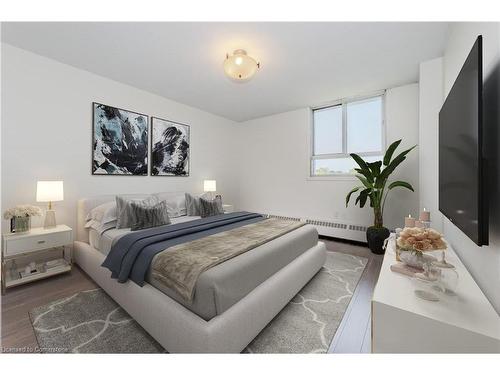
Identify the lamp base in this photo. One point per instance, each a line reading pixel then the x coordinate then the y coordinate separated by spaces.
pixel 50 219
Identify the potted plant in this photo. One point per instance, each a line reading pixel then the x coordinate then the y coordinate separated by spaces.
pixel 374 177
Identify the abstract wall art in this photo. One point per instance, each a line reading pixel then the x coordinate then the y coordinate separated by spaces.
pixel 120 142
pixel 169 148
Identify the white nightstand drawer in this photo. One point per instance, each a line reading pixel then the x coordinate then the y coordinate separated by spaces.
pixel 37 242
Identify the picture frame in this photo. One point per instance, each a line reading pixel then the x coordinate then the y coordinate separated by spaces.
pixel 119 141
pixel 170 148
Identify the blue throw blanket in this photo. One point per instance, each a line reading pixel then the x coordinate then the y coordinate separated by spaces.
pixel 131 255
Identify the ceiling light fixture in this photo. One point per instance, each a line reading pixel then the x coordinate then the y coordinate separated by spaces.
pixel 239 66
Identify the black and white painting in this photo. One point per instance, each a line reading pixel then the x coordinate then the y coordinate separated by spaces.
pixel 120 142
pixel 169 148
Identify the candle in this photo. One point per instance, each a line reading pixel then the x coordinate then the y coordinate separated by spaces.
pixel 425 215
pixel 419 224
pixel 409 221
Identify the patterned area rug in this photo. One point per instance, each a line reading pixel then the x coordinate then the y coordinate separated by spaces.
pixel 91 322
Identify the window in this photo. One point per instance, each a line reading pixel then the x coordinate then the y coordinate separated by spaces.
pixel 340 129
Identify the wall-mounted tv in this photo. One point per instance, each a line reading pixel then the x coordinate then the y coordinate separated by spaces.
pixel 462 165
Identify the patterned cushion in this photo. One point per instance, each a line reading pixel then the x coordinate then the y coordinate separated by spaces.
pixel 124 211
pixel 193 204
pixel 146 216
pixel 211 207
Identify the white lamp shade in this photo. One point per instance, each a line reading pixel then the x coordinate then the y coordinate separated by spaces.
pixel 49 191
pixel 209 185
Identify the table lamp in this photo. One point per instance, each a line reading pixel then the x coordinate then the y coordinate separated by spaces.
pixel 209 186
pixel 49 191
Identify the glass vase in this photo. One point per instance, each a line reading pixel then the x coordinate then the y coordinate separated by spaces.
pixel 20 224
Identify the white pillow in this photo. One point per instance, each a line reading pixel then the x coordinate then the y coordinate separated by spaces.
pixel 100 227
pixel 103 213
pixel 176 203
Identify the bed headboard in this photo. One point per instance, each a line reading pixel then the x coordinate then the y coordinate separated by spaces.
pixel 83 208
pixel 85 205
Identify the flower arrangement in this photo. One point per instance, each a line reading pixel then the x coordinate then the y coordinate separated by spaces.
pixel 420 240
pixel 22 210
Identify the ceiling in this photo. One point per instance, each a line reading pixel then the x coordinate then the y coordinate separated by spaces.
pixel 302 64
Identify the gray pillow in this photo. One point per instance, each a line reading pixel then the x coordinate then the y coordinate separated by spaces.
pixel 124 211
pixel 211 207
pixel 146 216
pixel 192 205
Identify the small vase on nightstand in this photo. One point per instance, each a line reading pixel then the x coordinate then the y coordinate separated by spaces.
pixel 20 224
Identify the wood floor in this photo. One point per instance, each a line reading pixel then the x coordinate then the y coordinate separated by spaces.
pixel 17 331
pixel 352 336
pixel 354 332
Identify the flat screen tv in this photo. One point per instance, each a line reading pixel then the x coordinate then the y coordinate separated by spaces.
pixel 462 165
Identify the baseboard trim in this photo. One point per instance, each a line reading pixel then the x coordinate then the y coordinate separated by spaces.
pixel 344 240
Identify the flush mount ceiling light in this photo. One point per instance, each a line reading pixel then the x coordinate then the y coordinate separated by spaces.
pixel 239 66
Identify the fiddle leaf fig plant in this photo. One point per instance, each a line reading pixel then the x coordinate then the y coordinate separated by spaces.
pixel 374 179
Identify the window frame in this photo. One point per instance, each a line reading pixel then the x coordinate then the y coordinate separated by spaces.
pixel 344 154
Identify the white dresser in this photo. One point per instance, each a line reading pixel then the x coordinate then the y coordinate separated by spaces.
pixel 404 323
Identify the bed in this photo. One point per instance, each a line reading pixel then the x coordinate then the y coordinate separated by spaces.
pixel 233 301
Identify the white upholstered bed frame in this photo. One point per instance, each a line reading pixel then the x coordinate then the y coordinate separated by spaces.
pixel 178 329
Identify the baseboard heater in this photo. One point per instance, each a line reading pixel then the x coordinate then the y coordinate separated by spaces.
pixel 338 229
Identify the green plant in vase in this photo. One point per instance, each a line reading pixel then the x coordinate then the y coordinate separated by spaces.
pixel 374 177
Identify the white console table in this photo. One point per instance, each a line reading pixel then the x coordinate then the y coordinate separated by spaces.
pixel 404 323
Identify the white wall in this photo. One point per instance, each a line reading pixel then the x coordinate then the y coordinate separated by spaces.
pixel 47 122
pixel 275 160
pixel 482 262
pixel 47 134
pixel 431 100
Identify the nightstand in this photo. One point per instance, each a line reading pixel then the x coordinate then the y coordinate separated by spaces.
pixel 228 208
pixel 50 250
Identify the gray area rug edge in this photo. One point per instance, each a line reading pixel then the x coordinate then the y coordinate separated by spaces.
pixel 307 324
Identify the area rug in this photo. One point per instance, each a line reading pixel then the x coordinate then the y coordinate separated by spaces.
pixel 91 322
